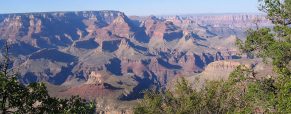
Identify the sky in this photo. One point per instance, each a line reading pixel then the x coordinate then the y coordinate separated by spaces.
pixel 132 7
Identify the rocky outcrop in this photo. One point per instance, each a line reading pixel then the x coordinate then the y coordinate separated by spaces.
pixel 120 27
pixel 220 70
pixel 95 78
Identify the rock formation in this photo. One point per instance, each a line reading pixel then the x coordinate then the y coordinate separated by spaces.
pixel 105 53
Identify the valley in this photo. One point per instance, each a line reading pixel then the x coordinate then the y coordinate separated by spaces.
pixel 112 58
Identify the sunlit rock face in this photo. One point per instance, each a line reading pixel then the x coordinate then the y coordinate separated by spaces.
pixel 220 70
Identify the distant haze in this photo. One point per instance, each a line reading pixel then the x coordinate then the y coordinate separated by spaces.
pixel 133 7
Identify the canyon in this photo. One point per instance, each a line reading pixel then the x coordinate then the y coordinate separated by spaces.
pixel 112 58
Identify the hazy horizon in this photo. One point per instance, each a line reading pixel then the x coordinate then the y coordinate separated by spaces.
pixel 133 7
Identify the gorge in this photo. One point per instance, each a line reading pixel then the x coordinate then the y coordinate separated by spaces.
pixel 107 54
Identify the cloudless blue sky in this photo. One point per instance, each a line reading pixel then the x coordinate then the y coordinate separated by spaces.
pixel 132 7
